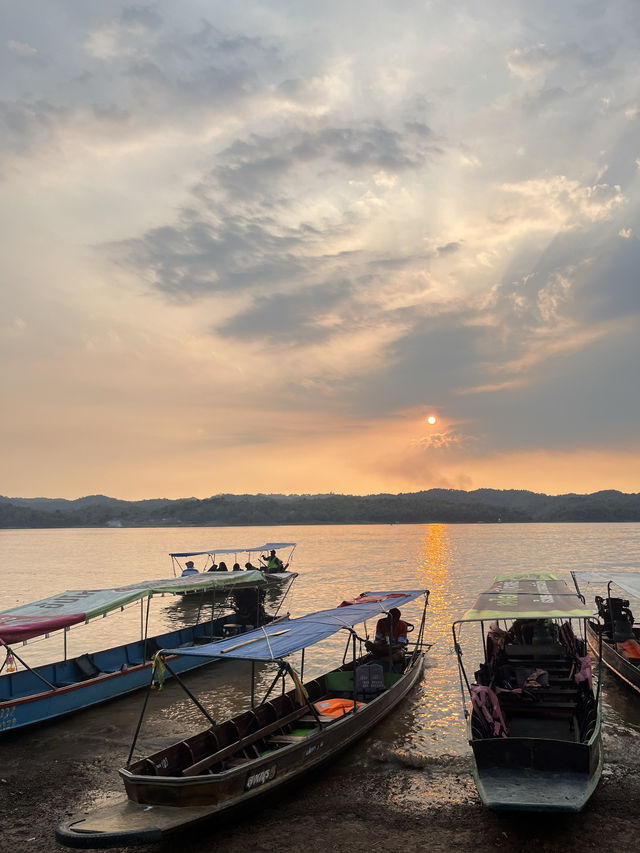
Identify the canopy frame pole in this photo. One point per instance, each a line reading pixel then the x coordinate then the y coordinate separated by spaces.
pixel 575 583
pixel 146 629
pixel 142 713
pixel 461 671
pixel 302 665
pixel 64 632
pixel 353 643
pixel 253 685
pixel 419 643
pixel 273 683
pixel 612 620
pixel 195 701
pixel 26 666
pixel 141 619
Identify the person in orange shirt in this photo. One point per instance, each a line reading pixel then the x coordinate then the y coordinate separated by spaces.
pixel 391 637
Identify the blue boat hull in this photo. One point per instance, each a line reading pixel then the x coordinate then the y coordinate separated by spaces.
pixel 89 680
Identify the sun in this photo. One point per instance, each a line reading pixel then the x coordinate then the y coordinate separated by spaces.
pixel 431 419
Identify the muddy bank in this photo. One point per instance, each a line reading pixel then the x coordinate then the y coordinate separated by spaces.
pixel 372 798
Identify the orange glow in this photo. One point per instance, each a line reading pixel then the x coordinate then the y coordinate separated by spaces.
pixel 431 419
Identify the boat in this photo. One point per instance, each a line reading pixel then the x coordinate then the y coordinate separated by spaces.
pixel 534 721
pixel 42 693
pixel 614 639
pixel 229 765
pixel 275 569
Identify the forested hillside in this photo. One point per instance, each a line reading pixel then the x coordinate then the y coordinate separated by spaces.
pixel 434 505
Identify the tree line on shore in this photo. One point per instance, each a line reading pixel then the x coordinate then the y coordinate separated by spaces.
pixel 432 506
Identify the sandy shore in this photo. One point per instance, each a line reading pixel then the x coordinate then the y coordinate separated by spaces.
pixel 368 800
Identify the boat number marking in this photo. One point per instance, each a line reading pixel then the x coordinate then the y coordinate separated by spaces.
pixel 260 778
pixel 161 765
pixel 314 748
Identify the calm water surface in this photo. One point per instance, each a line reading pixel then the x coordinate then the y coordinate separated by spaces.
pixel 453 561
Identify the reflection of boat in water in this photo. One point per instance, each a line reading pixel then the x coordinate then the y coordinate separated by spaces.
pixel 229 765
pixel 615 640
pixel 48 691
pixel 535 718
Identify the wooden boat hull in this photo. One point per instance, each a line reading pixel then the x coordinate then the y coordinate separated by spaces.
pixel 612 659
pixel 26 701
pixel 159 805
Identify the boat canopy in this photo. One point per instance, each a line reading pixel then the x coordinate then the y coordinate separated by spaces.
pixel 283 638
pixel 270 546
pixel 530 595
pixel 628 581
pixel 74 606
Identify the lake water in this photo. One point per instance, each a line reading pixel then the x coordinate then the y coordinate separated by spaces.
pixel 454 562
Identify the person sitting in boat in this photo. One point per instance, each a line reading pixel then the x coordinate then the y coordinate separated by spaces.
pixel 236 567
pixel 250 609
pixel 222 567
pixel 189 569
pixel 391 637
pixel 251 568
pixel 274 563
pixel 213 567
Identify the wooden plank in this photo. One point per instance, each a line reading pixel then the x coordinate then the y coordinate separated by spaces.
pixel 254 640
pixel 237 745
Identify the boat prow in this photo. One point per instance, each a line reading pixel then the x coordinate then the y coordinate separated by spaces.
pixel 125 823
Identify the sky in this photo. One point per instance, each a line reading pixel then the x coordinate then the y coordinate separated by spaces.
pixel 253 247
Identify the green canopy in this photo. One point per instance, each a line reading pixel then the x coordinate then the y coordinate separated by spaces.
pixel 74 606
pixel 531 595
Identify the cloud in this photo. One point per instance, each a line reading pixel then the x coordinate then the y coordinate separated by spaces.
pixel 528 62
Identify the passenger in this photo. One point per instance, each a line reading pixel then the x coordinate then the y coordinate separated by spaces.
pixel 251 568
pixel 189 569
pixel 236 567
pixel 213 567
pixel 222 567
pixel 391 637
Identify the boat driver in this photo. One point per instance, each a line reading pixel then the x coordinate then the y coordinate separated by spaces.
pixel 274 564
pixel 391 637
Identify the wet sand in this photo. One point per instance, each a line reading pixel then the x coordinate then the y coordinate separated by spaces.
pixel 371 799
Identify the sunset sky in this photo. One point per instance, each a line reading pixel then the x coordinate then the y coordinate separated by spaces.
pixel 252 247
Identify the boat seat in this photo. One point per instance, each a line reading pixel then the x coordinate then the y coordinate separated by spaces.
pixel 86 667
pixel 369 682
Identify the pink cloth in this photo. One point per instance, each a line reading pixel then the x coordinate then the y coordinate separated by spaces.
pixel 485 702
pixel 584 673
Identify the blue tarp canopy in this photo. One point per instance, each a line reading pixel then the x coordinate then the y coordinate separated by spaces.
pixel 280 639
pixel 628 581
pixel 270 546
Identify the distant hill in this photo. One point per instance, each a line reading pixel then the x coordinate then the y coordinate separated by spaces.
pixel 435 505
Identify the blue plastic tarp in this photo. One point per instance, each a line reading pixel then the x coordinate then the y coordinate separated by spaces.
pixel 283 638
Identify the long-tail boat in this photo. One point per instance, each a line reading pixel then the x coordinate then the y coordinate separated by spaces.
pixel 45 692
pixel 535 707
pixel 614 638
pixel 229 765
